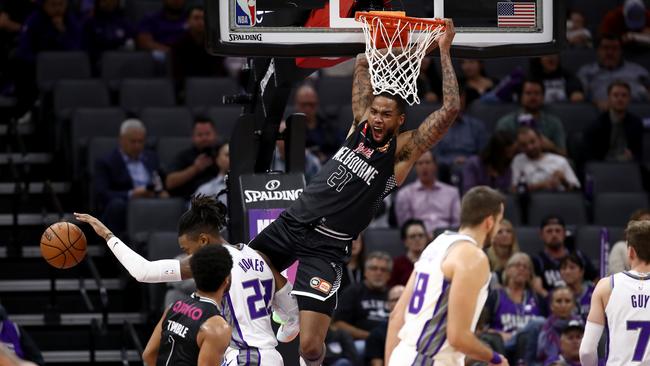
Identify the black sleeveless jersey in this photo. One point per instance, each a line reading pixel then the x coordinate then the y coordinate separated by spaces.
pixel 349 188
pixel 180 327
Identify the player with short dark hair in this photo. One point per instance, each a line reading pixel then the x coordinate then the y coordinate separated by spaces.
pixel 622 303
pixel 192 331
pixel 254 291
pixel 318 228
pixel 435 318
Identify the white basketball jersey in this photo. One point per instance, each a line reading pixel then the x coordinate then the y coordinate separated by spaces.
pixel 628 320
pixel 247 305
pixel 425 323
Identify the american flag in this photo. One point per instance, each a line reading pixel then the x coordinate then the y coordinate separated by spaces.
pixel 516 14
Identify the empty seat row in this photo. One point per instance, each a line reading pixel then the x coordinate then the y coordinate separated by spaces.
pixel 135 94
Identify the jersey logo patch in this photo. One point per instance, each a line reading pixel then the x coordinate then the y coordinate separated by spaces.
pixel 320 285
pixel 363 150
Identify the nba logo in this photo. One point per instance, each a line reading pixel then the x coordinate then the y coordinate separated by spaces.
pixel 245 12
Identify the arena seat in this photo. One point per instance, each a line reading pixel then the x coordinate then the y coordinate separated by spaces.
pixel 570 206
pixel 588 240
pixel 98 147
pixel 575 116
pixel 498 68
pixel 202 93
pixel 385 240
pixel 614 177
pixel 615 208
pixel 169 147
pixel 490 113
pixel 146 216
pixel 416 114
pixel 572 59
pixel 54 66
pixel 512 210
pixel 72 94
pixel 167 122
pixel 118 65
pixel 334 91
pixel 225 118
pixel 529 239
pixel 161 245
pixel 90 123
pixel 136 94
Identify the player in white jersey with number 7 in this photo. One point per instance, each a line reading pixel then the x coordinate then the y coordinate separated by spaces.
pixel 435 318
pixel 622 300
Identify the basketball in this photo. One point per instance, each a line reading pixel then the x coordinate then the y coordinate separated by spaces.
pixel 63 245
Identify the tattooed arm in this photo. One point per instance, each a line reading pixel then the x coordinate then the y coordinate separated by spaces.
pixel 411 144
pixel 361 91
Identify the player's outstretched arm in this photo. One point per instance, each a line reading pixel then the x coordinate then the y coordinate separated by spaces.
pixel 411 144
pixel 150 353
pixel 361 91
pixel 213 339
pixel 595 323
pixel 143 270
pixel 462 266
pixel 396 320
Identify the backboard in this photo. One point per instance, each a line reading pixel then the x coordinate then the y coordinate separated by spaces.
pixel 281 28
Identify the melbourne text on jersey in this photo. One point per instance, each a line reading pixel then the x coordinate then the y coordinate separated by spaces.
pixel 356 164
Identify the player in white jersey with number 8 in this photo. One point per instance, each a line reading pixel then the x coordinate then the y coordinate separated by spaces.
pixel 435 318
pixel 621 302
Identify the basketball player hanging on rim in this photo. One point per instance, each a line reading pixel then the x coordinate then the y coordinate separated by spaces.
pixel 435 318
pixel 621 302
pixel 318 228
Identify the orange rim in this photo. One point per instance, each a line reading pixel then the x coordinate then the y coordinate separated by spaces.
pixel 391 18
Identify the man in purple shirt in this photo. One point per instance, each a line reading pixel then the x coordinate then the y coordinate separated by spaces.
pixel 435 203
pixel 159 31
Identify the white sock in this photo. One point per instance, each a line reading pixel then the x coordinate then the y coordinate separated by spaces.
pixel 285 304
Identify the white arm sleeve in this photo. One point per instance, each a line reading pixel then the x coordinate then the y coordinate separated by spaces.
pixel 165 270
pixel 589 344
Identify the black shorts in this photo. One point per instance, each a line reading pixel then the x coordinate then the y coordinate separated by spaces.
pixel 320 251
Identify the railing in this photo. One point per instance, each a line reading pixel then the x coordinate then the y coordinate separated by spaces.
pixel 97 328
pixel 129 337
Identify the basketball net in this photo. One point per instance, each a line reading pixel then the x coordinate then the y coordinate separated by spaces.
pixel 395 47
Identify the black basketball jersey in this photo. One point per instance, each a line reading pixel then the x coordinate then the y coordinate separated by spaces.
pixel 349 188
pixel 179 330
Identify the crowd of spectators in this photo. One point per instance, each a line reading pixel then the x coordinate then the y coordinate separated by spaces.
pixel 538 301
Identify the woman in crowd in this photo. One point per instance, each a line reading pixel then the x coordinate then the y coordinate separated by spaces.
pixel 475 80
pixel 572 270
pixel 218 183
pixel 562 308
pixel 504 246
pixel 492 166
pixel 515 311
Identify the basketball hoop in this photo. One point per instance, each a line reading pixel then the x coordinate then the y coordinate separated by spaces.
pixel 395 46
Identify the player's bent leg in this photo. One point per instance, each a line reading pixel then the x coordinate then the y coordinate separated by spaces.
pixel 402 355
pixel 313 330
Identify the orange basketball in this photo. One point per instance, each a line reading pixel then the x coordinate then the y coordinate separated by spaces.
pixel 63 245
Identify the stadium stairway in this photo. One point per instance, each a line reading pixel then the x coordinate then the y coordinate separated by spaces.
pixel 89 314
